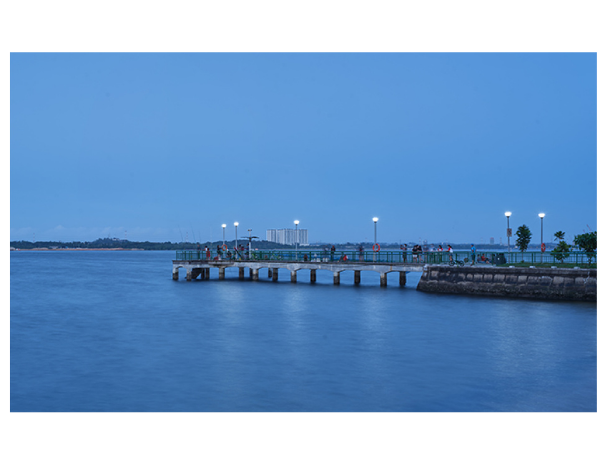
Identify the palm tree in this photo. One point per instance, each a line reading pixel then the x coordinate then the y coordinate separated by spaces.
pixel 561 251
pixel 523 238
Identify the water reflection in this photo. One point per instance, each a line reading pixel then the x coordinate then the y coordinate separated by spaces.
pixel 140 341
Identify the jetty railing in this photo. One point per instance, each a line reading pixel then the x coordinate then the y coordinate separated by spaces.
pixel 395 257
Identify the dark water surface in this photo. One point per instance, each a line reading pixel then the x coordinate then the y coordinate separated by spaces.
pixel 111 331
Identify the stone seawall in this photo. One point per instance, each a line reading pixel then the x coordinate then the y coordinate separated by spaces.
pixel 528 283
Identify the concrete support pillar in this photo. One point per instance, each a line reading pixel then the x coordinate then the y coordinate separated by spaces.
pixel 337 277
pixel 313 276
pixel 357 276
pixel 221 273
pixel 207 274
pixel 241 273
pixel 293 276
pixel 188 275
pixel 254 274
pixel 275 274
pixel 195 273
pixel 383 279
pixel 175 274
pixel 402 278
pixel 269 273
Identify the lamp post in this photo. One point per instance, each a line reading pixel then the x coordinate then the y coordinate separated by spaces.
pixel 508 231
pixel 375 220
pixel 541 215
pixel 236 224
pixel 224 226
pixel 296 237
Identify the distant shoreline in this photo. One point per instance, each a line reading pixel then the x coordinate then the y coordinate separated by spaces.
pixel 309 249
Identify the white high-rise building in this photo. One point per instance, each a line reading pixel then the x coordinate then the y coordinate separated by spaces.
pixel 288 236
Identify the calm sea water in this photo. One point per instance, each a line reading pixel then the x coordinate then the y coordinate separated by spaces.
pixel 111 331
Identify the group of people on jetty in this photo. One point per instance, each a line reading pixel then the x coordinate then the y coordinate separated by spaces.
pixel 241 252
pixel 418 254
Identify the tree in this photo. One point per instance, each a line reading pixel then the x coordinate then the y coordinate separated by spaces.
pixel 523 238
pixel 588 242
pixel 562 250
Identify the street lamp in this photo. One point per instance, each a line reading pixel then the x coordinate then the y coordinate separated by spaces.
pixel 375 220
pixel 509 233
pixel 224 226
pixel 541 215
pixel 296 237
pixel 236 224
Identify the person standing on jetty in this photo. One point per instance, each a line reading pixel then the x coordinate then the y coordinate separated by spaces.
pixel 332 250
pixel 415 253
pixel 473 254
pixel 361 253
pixel 404 252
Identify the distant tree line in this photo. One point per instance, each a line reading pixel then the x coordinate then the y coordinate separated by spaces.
pixel 108 243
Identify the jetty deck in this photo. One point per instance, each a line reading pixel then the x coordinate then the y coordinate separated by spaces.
pixel 197 265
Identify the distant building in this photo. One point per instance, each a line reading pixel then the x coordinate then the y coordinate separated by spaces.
pixel 288 236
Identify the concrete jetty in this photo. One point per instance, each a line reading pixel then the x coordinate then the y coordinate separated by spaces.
pixel 201 269
pixel 437 277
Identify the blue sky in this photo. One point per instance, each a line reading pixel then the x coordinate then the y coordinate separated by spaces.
pixel 438 146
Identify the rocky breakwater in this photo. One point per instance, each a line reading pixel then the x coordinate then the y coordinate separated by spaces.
pixel 528 283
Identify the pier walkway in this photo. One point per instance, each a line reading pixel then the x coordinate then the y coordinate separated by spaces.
pixel 197 266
